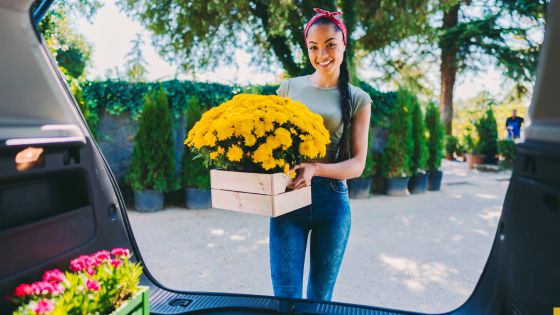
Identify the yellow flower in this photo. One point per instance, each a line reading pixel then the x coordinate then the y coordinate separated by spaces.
pixel 257 125
pixel 308 149
pixel 286 168
pixel 234 153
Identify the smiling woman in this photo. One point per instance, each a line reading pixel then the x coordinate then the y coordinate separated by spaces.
pixel 328 93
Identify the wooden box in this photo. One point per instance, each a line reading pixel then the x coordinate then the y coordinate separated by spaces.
pixel 263 194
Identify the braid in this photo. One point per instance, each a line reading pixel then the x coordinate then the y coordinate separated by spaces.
pixel 344 88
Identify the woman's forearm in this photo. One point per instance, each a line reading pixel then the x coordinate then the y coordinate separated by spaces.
pixel 351 168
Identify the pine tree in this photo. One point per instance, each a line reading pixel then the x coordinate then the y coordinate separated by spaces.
pixel 153 162
pixel 193 172
pixel 435 137
pixel 396 154
pixel 419 156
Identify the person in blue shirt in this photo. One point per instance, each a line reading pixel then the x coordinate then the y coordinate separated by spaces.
pixel 513 125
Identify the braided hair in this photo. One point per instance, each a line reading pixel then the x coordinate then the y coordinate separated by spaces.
pixel 343 80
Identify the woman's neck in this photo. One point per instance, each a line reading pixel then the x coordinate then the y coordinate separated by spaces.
pixel 325 81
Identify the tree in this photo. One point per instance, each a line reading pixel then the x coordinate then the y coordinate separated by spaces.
pixel 200 35
pixel 496 33
pixel 419 154
pixel 135 62
pixel 436 133
pixel 69 48
pixel 152 164
pixel 396 159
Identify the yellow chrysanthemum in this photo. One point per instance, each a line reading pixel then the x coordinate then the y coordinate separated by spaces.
pixel 255 126
pixel 235 153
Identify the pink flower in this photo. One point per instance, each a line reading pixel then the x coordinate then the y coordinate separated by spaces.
pixel 121 252
pixel 23 290
pixel 116 262
pixel 44 306
pixel 43 288
pixel 101 256
pixel 81 263
pixel 92 285
pixel 55 276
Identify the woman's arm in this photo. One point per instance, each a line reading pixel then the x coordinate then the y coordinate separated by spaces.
pixel 350 168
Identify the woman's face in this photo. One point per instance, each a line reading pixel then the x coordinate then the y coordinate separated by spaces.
pixel 325 46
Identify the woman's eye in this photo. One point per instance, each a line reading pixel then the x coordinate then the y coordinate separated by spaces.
pixel 331 45
pixel 313 48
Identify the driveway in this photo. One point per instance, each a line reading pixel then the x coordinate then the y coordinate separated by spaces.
pixel 422 252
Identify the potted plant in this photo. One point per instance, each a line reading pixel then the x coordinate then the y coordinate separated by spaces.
pixel 195 177
pixel 488 136
pixel 101 283
pixel 419 154
pixel 359 188
pixel 152 169
pixel 507 151
pixel 435 146
pixel 451 147
pixel 395 162
pixel 252 142
pixel 472 155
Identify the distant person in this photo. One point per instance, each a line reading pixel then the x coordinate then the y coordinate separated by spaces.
pixel 513 125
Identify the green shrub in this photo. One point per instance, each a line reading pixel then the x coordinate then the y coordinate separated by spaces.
pixel 153 163
pixel 487 134
pixel 395 162
pixel 451 145
pixel 507 149
pixel 369 168
pixel 419 156
pixel 193 172
pixel 435 137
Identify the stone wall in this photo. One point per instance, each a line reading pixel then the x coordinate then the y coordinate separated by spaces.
pixel 115 136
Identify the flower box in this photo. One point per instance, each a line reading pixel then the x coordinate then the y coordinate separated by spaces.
pixel 263 194
pixel 139 304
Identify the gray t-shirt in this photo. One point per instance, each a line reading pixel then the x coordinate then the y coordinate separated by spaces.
pixel 325 102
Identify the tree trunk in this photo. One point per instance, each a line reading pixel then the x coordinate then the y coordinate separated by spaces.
pixel 448 68
pixel 279 43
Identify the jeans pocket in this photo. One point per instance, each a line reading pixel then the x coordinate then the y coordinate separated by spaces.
pixel 339 186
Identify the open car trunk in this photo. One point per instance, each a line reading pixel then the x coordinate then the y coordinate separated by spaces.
pixel 68 203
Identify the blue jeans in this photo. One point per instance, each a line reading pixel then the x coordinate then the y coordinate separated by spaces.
pixel 328 220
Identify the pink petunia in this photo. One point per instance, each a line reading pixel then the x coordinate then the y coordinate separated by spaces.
pixel 23 290
pixel 81 263
pixel 92 285
pixel 116 262
pixel 118 252
pixel 44 306
pixel 54 275
pixel 101 256
pixel 43 288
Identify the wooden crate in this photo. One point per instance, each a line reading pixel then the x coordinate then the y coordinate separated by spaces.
pixel 263 194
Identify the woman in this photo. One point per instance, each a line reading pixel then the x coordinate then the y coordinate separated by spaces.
pixel 328 93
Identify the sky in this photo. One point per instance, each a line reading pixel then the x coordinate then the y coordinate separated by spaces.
pixel 111 33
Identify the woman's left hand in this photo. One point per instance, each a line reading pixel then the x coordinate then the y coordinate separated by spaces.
pixel 305 174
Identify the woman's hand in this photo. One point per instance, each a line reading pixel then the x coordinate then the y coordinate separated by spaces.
pixel 305 174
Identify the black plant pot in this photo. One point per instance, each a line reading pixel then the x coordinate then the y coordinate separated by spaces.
pixel 418 183
pixel 490 160
pixel 434 183
pixel 358 188
pixel 148 200
pixel 396 186
pixel 198 199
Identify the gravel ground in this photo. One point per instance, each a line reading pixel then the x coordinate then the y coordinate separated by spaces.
pixel 423 252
